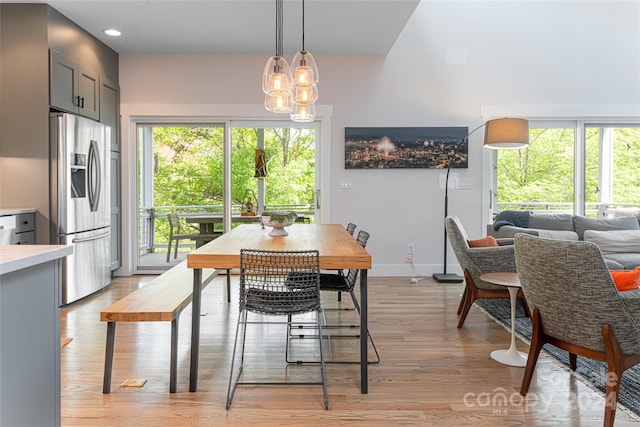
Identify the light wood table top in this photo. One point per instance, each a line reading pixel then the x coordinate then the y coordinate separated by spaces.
pixel 338 249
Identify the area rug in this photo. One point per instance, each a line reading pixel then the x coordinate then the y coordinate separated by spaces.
pixel 591 372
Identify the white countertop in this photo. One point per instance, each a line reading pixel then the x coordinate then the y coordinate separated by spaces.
pixel 18 257
pixel 15 211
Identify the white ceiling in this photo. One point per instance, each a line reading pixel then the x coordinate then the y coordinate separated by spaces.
pixel 367 27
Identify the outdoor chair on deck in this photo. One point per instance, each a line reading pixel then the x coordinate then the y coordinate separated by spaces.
pixel 176 236
pixel 577 308
pixel 477 261
pixel 277 283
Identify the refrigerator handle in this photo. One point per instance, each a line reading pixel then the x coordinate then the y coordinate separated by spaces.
pixel 88 239
pixel 94 176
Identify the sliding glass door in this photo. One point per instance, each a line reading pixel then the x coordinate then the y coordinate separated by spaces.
pixel 227 170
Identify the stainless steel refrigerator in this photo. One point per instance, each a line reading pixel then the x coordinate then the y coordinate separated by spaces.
pixel 80 204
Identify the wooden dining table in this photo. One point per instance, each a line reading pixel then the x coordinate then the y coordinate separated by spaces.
pixel 338 250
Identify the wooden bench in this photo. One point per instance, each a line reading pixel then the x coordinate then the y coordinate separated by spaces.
pixel 161 300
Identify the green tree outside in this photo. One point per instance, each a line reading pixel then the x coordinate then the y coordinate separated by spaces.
pixel 544 172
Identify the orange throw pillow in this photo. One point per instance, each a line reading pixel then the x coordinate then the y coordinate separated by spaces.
pixel 486 242
pixel 626 280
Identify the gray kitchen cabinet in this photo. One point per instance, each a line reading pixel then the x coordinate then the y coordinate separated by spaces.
pixel 73 88
pixel 17 227
pixel 25 229
pixel 110 110
pixel 110 115
pixel 30 288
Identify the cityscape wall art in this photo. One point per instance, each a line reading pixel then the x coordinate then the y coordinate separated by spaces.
pixel 404 147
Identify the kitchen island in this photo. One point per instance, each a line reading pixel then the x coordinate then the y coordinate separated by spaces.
pixel 30 287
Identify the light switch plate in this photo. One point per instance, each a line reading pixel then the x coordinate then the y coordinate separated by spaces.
pixel 345 183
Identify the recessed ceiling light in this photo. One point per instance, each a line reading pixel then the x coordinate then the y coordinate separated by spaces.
pixel 112 32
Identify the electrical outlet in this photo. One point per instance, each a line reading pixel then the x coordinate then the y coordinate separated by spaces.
pixel 410 249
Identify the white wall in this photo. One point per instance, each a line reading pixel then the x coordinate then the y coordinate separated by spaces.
pixel 453 58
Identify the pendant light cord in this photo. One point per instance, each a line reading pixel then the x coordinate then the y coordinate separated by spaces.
pixel 279 30
pixel 303 25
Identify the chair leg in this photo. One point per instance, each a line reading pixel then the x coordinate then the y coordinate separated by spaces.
pixel 573 361
pixel 322 365
pixel 537 341
pixel 168 250
pixel 615 368
pixel 470 295
pixel 233 384
pixel 462 299
pixel 175 253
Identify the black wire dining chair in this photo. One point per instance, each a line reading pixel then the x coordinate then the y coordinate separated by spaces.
pixel 277 283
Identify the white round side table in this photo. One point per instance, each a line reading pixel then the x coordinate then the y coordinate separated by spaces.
pixel 512 356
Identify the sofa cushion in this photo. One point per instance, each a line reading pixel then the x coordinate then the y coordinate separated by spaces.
pixel 614 240
pixel 551 222
pixel 582 223
pixel 629 260
pixel 558 234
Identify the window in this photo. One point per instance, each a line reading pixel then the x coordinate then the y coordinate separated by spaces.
pixel 612 169
pixel 573 167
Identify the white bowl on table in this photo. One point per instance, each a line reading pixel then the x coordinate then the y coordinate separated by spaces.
pixel 278 220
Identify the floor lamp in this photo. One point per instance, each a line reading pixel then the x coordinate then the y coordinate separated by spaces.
pixel 505 133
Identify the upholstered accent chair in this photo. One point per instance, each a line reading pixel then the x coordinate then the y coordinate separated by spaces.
pixel 477 261
pixel 577 307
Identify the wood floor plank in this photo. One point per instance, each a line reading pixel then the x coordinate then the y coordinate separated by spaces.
pixel 431 374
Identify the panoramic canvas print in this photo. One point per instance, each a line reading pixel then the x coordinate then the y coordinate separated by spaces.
pixel 405 147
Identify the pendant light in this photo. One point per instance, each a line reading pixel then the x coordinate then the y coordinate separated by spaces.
pixel 276 77
pixel 305 79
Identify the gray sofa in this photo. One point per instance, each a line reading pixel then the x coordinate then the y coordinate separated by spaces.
pixel 617 238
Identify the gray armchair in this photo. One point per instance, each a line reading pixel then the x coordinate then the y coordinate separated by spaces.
pixel 576 307
pixel 477 261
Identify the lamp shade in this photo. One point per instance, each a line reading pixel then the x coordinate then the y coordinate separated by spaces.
pixel 506 133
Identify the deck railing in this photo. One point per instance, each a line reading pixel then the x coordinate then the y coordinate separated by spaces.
pixel 154 228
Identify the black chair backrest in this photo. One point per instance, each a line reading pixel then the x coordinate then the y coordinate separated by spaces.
pixel 352 276
pixel 279 282
pixel 351 228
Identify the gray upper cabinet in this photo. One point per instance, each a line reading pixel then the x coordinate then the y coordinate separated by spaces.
pixel 110 111
pixel 73 88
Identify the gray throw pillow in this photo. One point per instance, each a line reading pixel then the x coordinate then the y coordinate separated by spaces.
pixel 551 222
pixel 582 223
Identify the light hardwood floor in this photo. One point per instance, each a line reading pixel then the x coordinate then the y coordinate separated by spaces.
pixel 431 374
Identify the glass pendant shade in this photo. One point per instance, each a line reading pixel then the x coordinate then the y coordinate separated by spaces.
pixel 278 101
pixel 303 112
pixel 305 93
pixel 305 72
pixel 276 75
